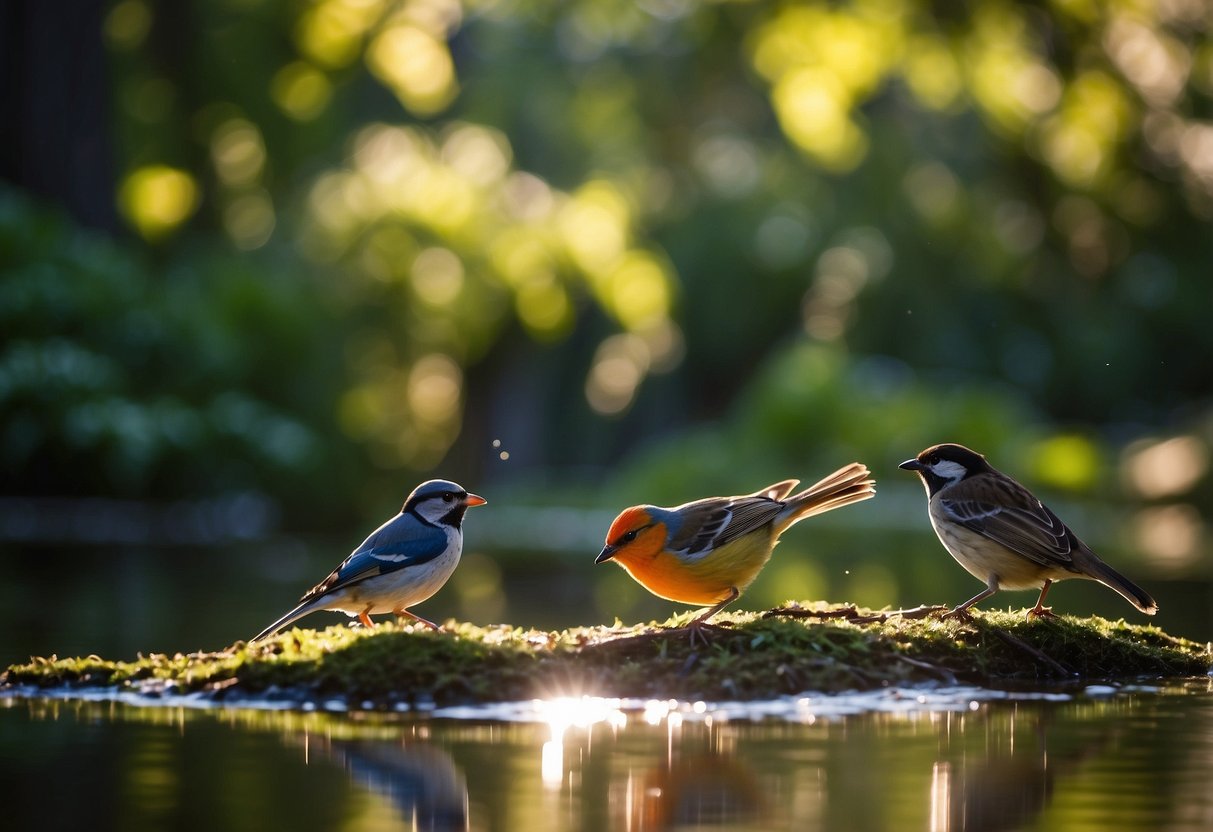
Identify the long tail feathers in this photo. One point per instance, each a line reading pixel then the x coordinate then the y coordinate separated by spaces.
pixel 850 484
pixel 777 491
pixel 291 617
pixel 1112 579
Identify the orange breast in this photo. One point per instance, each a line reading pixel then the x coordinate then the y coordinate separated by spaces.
pixel 705 581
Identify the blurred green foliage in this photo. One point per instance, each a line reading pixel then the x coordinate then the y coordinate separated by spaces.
pixel 117 381
pixel 729 234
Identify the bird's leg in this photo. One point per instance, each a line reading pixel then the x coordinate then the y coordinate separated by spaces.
pixel 401 613
pixel 365 617
pixel 1040 610
pixel 962 611
pixel 699 628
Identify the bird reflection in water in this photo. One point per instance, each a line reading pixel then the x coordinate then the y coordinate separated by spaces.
pixel 421 781
pixel 703 785
pixel 695 790
pixel 706 786
pixel 1005 785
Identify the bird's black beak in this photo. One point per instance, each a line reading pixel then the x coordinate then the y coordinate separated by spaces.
pixel 912 465
pixel 606 554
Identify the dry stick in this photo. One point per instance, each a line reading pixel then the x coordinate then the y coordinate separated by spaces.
pixel 850 613
pixel 913 613
pixel 798 612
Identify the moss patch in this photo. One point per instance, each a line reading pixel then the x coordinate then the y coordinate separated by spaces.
pixel 758 655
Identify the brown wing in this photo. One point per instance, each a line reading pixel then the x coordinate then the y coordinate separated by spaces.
pixel 1007 513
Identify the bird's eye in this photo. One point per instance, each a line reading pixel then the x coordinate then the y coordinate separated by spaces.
pixel 627 538
pixel 448 497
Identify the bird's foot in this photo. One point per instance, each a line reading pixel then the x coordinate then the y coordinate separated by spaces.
pixel 1041 612
pixel 961 614
pixel 404 616
pixel 700 633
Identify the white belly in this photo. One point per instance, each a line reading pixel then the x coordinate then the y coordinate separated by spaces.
pixel 983 558
pixel 397 590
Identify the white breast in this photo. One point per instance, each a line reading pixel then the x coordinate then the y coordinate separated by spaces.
pixel 982 557
pixel 404 587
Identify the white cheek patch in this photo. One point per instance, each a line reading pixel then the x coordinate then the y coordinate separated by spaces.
pixel 948 470
pixel 433 510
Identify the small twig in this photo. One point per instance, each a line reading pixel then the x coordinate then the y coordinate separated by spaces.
pixel 798 612
pixel 852 614
pixel 923 611
pixel 1037 654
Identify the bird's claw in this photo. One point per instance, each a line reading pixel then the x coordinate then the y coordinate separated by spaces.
pixel 960 614
pixel 405 617
pixel 1041 612
pixel 700 632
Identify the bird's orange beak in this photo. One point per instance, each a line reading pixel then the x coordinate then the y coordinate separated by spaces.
pixel 606 554
pixel 474 500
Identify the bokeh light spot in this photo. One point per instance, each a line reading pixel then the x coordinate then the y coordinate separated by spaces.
pixel 127 24
pixel 301 91
pixel 435 387
pixel 414 65
pixel 638 291
pixel 237 152
pixel 1165 469
pixel 595 224
pixel 156 199
pixel 1171 537
pixel 543 306
pixel 814 110
pixel 331 31
pixel 437 276
pixel 620 365
pixel 1067 461
pixel 249 219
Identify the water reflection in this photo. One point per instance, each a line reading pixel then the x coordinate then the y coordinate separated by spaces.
pixel 693 789
pixel 1006 782
pixel 996 795
pixel 699 780
pixel 421 781
pixel 1003 790
pixel 563 713
pixel 1089 759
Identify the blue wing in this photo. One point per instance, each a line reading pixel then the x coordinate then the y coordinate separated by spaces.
pixel 402 542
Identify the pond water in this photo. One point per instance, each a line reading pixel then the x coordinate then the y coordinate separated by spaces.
pixel 1137 757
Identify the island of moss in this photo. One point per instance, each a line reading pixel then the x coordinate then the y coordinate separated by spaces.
pixel 794 649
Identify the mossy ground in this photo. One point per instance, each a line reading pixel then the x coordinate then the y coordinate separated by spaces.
pixel 759 655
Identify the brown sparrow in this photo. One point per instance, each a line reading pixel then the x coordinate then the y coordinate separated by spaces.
pixel 1003 535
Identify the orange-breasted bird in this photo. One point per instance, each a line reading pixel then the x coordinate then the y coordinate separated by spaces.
pixel 708 551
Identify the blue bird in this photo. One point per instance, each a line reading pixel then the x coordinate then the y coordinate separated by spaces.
pixel 401 563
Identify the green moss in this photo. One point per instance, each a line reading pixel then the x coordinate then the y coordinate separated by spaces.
pixel 791 650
